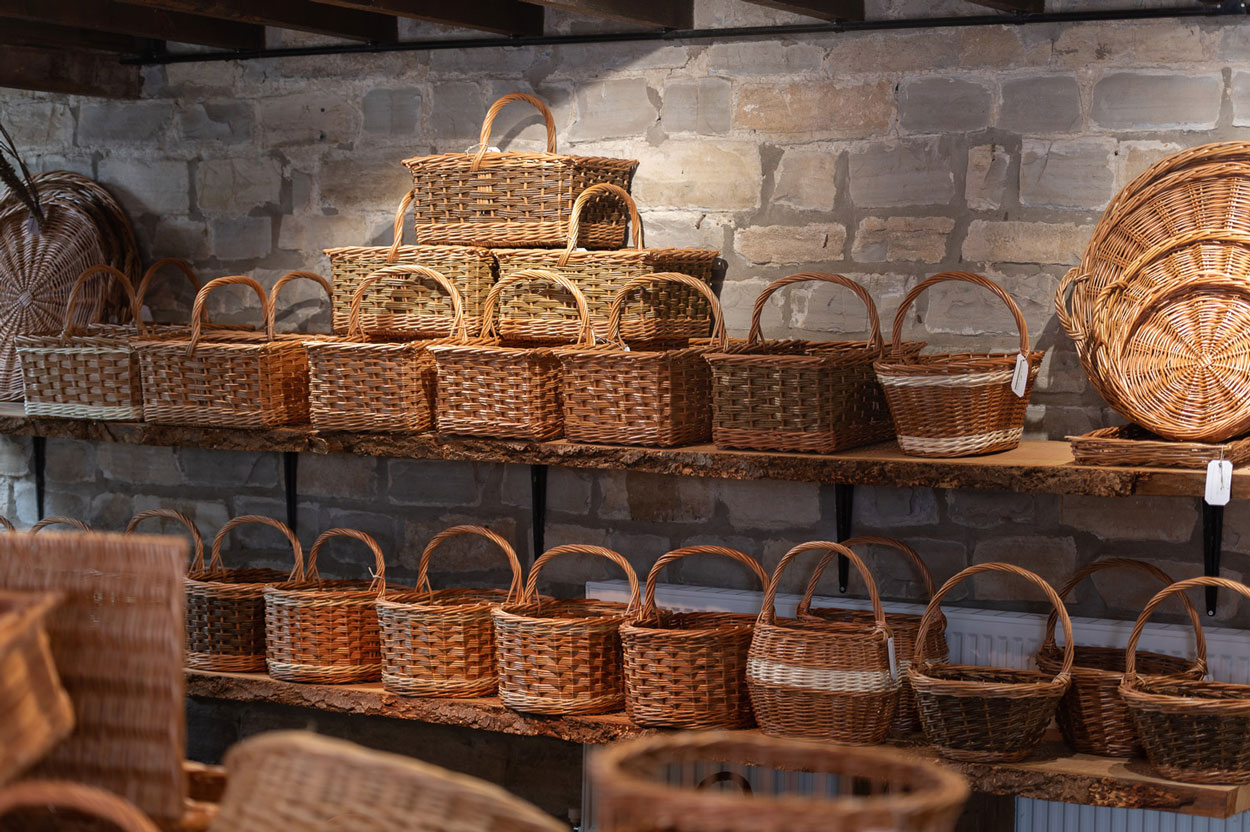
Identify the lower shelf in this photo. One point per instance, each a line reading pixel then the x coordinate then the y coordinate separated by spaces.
pixel 1054 773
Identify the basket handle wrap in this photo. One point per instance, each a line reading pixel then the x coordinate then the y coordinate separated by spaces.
pixel 768 613
pixel 874 320
pixel 178 263
pixel 617 310
pixel 575 216
pixel 1200 640
pixel 531 583
pixel 60 520
pixel 215 566
pixel 805 604
pixel 900 319
pixel 396 273
pixel 7 524
pixel 423 568
pixel 378 573
pixel 1130 661
pixel 69 329
pixel 648 601
pixel 586 335
pixel 933 612
pixel 1065 297
pixel 197 540
pixel 88 800
pixel 400 214
pixel 272 312
pixel 201 303
pixel 483 139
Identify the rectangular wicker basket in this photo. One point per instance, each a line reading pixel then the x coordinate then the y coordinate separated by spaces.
pixel 1137 447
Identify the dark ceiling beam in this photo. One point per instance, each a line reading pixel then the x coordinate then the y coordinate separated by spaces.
pixel 662 14
pixel 1026 6
pixel 302 15
pixel 823 9
pixel 73 73
pixel 502 17
pixel 121 19
pixel 23 33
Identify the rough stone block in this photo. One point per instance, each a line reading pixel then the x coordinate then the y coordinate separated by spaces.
pixel 148 186
pixel 1051 557
pixel 1136 101
pixel 1000 46
pixel 886 508
pixel 223 122
pixel 687 229
pixel 1133 158
pixel 620 108
pixel 338 475
pixel 69 461
pixel 785 244
pixel 138 464
pixel 307 233
pixel 701 105
pixel 896 577
pixel 393 112
pixel 241 238
pixel 893 174
pixel 16 456
pixel 309 118
pixel 651 498
pixel 944 105
pixel 1130 518
pixel 807 179
pixel 693 174
pixel 124 122
pixel 465 553
pixel 1067 173
pixel 236 186
pixel 736 299
pixel 1046 104
pixel 986 185
pixel 39 124
pixel 887 239
pixel 434 483
pixel 355 182
pixel 568 490
pixel 992 509
pixel 769 504
pixel 967 310
pixel 1143 42
pixel 233 469
pixel 763 57
pixel 825 308
pixel 890 52
pixel 1126 592
pixel 1012 241
pixel 819 109
pixel 175 237
pixel 1239 91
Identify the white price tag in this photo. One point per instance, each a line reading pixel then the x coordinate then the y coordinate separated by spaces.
pixel 1020 376
pixel 893 658
pixel 1219 482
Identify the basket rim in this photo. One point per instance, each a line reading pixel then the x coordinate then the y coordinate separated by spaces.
pixel 1137 694
pixel 511 613
pixel 1044 686
pixel 403 600
pixel 340 590
pixel 1052 658
pixel 208 579
pixel 947 363
pixel 424 249
pixel 556 159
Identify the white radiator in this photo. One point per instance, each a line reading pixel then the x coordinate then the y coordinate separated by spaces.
pixel 1010 639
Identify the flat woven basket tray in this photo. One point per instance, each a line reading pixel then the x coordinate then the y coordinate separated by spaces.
pixel 1130 445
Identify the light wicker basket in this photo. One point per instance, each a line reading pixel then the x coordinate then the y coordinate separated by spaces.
pixel 35 711
pixel 1136 447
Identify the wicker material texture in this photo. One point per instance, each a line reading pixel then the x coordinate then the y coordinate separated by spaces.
pixel 442 643
pixel 986 714
pixel 688 670
pixel 33 803
pixel 652 397
pixel 59 520
pixel 493 199
pixel 665 783
pixel 326 632
pixel 563 657
pixel 35 711
pixel 957 404
pixel 1135 447
pixel 831 680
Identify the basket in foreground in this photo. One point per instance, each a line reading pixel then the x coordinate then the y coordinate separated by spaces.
pixel 28 803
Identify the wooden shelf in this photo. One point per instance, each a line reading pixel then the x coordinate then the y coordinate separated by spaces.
pixel 1054 773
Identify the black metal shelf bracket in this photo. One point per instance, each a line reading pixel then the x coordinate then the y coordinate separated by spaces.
pixel 40 444
pixel 538 507
pixel 1212 543
pixel 290 480
pixel 843 505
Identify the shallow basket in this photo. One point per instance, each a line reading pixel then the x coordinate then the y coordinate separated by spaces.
pixel 827 680
pixel 513 198
pixel 722 781
pixel 688 670
pixel 986 714
pixel 29 802
pixel 563 657
pixel 442 643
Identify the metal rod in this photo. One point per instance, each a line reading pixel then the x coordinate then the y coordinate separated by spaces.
pixel 843 506
pixel 538 507
pixel 1212 542
pixel 40 444
pixel 290 478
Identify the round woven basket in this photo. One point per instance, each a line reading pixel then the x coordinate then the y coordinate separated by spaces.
pixel 60 520
pixel 29 803
pixel 688 670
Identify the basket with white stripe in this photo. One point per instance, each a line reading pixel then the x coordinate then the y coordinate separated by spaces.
pixel 958 404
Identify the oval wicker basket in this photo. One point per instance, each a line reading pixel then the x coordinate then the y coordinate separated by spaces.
pixel 29 801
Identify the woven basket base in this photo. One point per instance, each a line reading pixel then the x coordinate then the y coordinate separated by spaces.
pixel 56 410
pixel 318 674
pixel 954 446
pixel 556 706
pixel 855 719
pixel 438 688
pixel 226 664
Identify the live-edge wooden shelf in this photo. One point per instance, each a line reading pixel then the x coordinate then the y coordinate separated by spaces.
pixel 1054 773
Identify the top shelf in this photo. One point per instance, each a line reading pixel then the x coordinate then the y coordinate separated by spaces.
pixel 1034 467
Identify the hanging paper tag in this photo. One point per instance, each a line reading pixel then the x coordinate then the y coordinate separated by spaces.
pixel 893 658
pixel 1020 376
pixel 1219 482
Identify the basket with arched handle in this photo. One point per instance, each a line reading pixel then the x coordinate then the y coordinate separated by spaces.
pixel 29 802
pixel 830 680
pixel 986 714
pixel 485 197
pixel 61 520
pixel 1092 717
pixel 688 669
pixel 563 656
pixel 442 642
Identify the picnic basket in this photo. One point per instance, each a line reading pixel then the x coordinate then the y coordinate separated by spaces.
pixel 35 711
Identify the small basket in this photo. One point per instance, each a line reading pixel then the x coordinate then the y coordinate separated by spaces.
pixel 493 199
pixel 688 670
pixel 830 680
pixel 986 714
pixel 1135 447
pixel 442 643
pixel 903 625
pixel 563 656
pixel 664 313
pixel 325 632
pixel 669 783
pixel 29 801
pixel 358 384
pixel 486 388
pixel 957 404
pixel 1193 731
pixel 60 520
pixel 1091 715
pixel 658 398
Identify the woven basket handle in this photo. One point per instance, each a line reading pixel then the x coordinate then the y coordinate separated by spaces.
pixel 575 216
pixel 356 329
pixel 586 335
pixel 76 290
pixel 423 568
pixel 483 139
pixel 531 584
pixel 1065 293
pixel 1130 661
pixel 805 604
pixel 966 277
pixel 182 265
pixel 60 520
pixel 617 310
pixel 271 313
pixel 201 303
pixel 7 524
pixel 874 320
pixel 378 573
pixel 768 613
pixel 400 215
pixel 648 601
pixel 197 540
pixel 216 567
pixel 37 794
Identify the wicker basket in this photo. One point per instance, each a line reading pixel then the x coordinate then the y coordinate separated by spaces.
pixel 1136 447
pixel 616 395
pixel 688 670
pixel 486 388
pixel 1193 731
pixel 358 384
pixel 903 625
pixel 815 396
pixel 326 632
pixel 197 539
pixel 1091 715
pixel 563 657
pixel 830 680
pixel 443 643
pixel 60 520
pixel 513 198
pixel 664 313
pixel 986 714
pixel 35 711
pixel 958 404
pixel 408 313
pixel 32 803
pixel 665 783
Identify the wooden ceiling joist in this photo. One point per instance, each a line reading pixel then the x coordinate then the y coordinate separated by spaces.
pixel 661 14
pixel 301 15
pixel 23 33
pixel 502 17
pixel 824 9
pixel 1026 6
pixel 122 19
pixel 73 73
